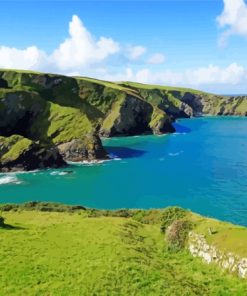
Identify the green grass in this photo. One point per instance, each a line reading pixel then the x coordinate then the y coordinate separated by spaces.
pixel 225 236
pixel 61 124
pixel 161 87
pixel 15 146
pixel 69 253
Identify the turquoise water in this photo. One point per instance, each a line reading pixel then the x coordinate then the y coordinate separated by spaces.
pixel 202 167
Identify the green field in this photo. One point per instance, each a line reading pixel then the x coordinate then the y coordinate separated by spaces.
pixel 84 252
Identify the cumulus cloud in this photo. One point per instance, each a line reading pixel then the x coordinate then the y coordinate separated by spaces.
pixel 28 58
pixel 135 52
pixel 81 49
pixel 104 58
pixel 204 77
pixel 234 19
pixel 79 52
pixel 156 58
pixel 232 74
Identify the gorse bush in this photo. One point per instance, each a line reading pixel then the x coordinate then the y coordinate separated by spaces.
pixel 169 215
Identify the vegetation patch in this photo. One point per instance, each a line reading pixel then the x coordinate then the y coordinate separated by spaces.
pixel 1 221
pixel 177 234
pixel 170 215
pixel 69 253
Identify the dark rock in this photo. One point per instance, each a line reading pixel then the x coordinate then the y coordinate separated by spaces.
pixel 131 117
pixel 21 154
pixel 163 126
pixel 3 83
pixel 83 149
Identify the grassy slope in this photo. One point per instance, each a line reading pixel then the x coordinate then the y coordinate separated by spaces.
pixel 71 254
pixel 154 86
pixel 62 108
pixel 86 102
pixel 16 145
pixel 226 236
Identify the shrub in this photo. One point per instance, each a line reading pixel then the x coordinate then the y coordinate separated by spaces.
pixel 93 213
pixel 42 206
pixel 1 221
pixel 124 213
pixel 8 207
pixel 152 216
pixel 176 234
pixel 169 215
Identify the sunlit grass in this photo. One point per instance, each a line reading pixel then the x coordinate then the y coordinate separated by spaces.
pixel 71 254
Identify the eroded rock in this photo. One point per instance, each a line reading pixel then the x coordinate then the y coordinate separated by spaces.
pixel 21 154
pixel 83 149
pixel 199 247
pixel 129 117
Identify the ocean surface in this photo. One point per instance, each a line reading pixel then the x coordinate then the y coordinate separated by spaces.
pixel 202 167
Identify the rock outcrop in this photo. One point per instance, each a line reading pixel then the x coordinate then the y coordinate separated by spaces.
pixel 77 150
pixel 130 116
pixel 48 109
pixel 208 104
pixel 199 247
pixel 21 154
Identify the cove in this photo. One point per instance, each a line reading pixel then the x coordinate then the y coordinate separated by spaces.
pixel 202 167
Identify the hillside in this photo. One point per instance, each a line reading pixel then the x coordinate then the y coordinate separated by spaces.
pixel 64 250
pixel 63 118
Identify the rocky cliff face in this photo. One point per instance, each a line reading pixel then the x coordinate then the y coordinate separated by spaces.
pixel 48 109
pixel 21 154
pixel 207 104
pixel 130 116
pixel 70 113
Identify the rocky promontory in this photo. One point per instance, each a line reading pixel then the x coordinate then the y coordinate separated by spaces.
pixel 66 116
pixel 21 154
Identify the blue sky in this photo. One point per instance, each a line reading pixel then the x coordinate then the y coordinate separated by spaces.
pixel 200 44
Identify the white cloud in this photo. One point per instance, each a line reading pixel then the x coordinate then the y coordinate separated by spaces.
pixel 28 58
pixel 79 52
pixel 232 74
pixel 219 78
pixel 82 54
pixel 81 49
pixel 156 58
pixel 135 52
pixel 234 17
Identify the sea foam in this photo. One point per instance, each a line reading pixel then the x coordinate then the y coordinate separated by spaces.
pixel 176 153
pixel 9 180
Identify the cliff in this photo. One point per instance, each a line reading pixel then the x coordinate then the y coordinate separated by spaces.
pixel 69 114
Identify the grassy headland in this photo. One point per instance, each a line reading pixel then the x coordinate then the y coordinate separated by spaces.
pixel 50 249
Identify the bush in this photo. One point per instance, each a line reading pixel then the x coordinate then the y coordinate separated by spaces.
pixel 152 216
pixel 176 234
pixel 42 206
pixel 171 214
pixel 8 207
pixel 1 221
